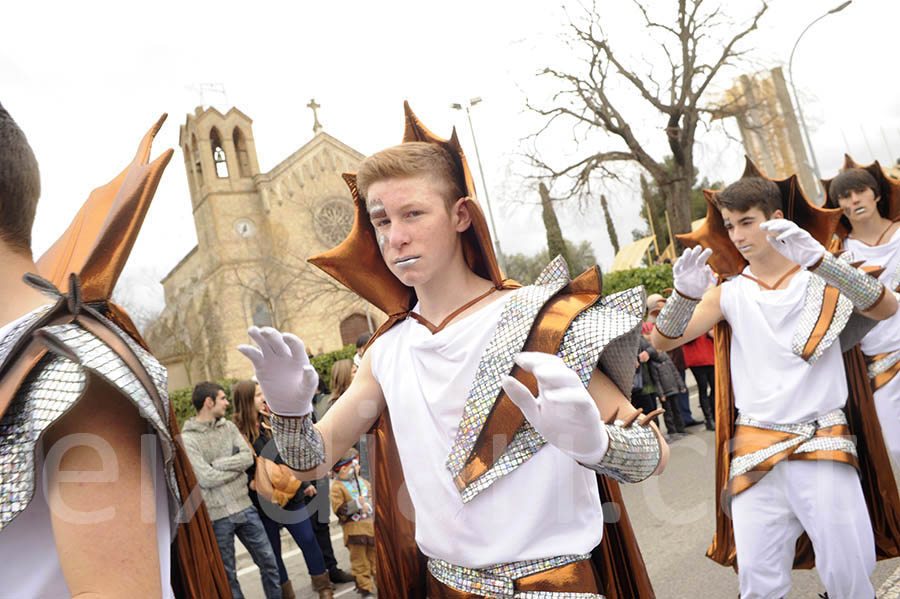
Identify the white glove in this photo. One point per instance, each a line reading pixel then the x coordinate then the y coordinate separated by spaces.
pixel 286 377
pixel 792 242
pixel 692 274
pixel 564 413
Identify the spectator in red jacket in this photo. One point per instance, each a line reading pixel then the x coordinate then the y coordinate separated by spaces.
pixel 699 356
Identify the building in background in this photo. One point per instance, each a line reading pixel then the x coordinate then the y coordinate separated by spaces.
pixel 254 233
pixel 765 116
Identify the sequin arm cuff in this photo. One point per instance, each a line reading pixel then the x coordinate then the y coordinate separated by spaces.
pixel 673 319
pixel 860 288
pixel 633 453
pixel 299 442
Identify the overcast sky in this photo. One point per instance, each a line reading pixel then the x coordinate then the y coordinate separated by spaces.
pixel 85 81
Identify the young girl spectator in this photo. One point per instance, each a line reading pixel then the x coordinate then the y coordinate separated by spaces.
pixel 251 418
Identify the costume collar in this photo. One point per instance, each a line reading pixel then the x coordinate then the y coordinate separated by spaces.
pixel 357 262
pixel 889 207
pixel 726 260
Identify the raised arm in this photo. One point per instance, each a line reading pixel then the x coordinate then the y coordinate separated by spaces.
pixel 289 382
pixel 869 296
pixel 100 492
pixel 684 317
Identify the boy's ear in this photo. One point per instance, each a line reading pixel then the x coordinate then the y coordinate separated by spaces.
pixel 209 402
pixel 777 214
pixel 462 215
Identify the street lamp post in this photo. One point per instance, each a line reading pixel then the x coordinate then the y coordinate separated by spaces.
pixel 487 203
pixel 812 152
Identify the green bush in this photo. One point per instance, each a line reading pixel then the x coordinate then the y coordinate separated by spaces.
pixel 184 409
pixel 323 362
pixel 654 279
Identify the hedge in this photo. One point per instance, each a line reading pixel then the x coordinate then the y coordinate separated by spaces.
pixel 184 409
pixel 654 279
pixel 323 362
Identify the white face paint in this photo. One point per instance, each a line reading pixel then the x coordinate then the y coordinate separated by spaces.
pixel 376 211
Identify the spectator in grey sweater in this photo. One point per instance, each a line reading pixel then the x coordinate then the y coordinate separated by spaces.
pixel 220 457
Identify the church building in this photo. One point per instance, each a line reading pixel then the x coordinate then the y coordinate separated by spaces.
pixel 254 233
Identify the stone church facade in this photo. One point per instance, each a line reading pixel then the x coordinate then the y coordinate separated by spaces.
pixel 254 233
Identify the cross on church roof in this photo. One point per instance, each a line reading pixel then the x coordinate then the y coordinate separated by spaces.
pixel 317 126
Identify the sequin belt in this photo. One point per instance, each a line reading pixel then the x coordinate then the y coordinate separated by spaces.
pixel 882 368
pixel 563 577
pixel 757 446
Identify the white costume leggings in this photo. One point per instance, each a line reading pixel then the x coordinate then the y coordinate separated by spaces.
pixel 824 499
pixel 887 406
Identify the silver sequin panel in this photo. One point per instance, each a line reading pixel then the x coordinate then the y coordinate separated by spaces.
pixel 52 387
pixel 299 442
pixel 14 334
pixel 498 582
pixel 55 386
pixel 812 308
pixel 508 339
pixel 879 366
pixel 804 438
pixel 633 453
pixel 606 333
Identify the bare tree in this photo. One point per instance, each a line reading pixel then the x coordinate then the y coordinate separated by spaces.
pixel 288 288
pixel 697 44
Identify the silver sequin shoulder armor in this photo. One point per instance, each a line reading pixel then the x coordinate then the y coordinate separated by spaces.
pixel 298 441
pixel 58 382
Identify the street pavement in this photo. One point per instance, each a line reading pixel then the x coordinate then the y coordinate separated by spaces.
pixel 674 519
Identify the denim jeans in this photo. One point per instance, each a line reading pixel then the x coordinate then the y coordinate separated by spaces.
pixel 249 529
pixel 296 520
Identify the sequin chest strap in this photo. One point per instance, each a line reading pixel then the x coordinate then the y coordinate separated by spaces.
pixel 563 577
pixel 882 368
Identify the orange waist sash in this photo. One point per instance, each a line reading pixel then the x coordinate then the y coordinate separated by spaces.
pixel 757 447
pixel 577 577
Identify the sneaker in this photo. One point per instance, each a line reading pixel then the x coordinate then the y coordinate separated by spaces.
pixel 338 576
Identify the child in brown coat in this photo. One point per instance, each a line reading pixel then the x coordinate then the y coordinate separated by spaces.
pixel 351 500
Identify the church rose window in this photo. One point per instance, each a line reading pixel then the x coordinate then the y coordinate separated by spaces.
pixel 333 222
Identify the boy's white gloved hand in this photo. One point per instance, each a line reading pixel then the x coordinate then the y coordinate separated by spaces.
pixel 564 413
pixel 286 377
pixel 692 274
pixel 792 242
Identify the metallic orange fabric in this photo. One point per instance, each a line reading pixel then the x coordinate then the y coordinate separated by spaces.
pixel 726 260
pixel 546 336
pixel 97 243
pixel 885 377
pixel 876 476
pixel 748 439
pixel 829 305
pixel 579 577
pixel 95 247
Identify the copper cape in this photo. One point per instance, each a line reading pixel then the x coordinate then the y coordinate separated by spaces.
pixel 401 571
pixel 876 476
pixel 95 248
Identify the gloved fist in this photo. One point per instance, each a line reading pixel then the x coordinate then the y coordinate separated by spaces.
pixel 692 274
pixel 792 242
pixel 286 377
pixel 564 413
